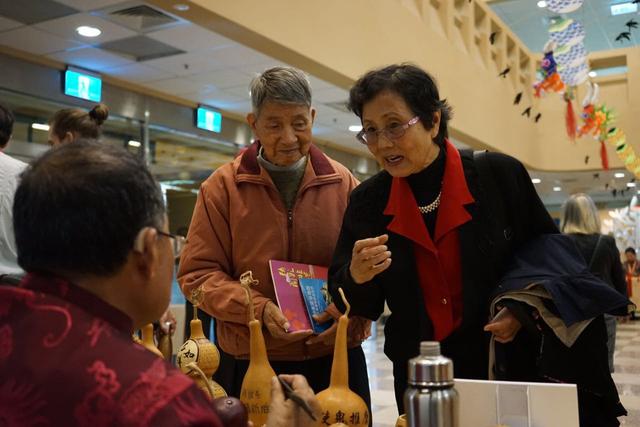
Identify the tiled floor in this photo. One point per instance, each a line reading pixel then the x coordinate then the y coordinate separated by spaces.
pixel 626 376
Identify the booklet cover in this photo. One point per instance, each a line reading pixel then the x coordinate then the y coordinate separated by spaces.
pixel 316 297
pixel 286 276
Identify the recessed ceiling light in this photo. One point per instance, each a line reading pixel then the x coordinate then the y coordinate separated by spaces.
pixel 355 128
pixel 181 7
pixel 631 184
pixel 86 31
pixel 557 188
pixel 40 126
pixel 592 74
pixel 134 143
pixel 536 180
pixel 619 175
pixel 542 3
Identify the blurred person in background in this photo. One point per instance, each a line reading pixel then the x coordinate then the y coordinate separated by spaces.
pixel 72 123
pixel 580 220
pixel 10 170
pixel 632 272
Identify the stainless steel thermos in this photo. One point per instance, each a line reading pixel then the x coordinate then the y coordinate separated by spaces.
pixel 431 399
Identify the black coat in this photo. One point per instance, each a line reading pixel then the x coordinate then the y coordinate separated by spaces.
pixel 606 262
pixel 536 354
pixel 484 249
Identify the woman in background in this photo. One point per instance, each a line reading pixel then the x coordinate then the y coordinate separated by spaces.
pixel 73 123
pixel 580 221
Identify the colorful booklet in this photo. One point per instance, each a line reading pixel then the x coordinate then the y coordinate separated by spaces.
pixel 286 283
pixel 316 297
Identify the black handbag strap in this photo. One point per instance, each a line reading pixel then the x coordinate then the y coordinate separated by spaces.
pixel 595 251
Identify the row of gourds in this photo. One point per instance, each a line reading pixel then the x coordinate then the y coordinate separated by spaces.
pixel 199 359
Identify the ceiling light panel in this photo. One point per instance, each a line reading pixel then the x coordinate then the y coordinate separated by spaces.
pixel 140 48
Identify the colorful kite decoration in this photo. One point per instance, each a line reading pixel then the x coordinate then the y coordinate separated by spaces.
pixel 566 32
pixel 563 68
pixel 551 80
pixel 596 119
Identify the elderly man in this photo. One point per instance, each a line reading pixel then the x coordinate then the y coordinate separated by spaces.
pixel 281 199
pixel 10 170
pixel 91 233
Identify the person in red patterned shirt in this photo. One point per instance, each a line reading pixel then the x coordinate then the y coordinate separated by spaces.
pixel 92 235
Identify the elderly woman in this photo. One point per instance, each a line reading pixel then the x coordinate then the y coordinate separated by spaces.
pixel 580 220
pixel 281 199
pixel 420 235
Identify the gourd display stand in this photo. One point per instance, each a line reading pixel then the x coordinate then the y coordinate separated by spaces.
pixel 147 340
pixel 339 404
pixel 256 385
pixel 198 357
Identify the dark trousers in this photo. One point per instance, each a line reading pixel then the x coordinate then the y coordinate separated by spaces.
pixel 317 372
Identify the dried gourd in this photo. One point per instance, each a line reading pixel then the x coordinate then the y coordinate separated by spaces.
pixel 256 385
pixel 339 404
pixel 198 357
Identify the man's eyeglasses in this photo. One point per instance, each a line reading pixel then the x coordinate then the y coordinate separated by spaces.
pixel 393 132
pixel 178 241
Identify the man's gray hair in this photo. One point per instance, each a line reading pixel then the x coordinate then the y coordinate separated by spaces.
pixel 284 85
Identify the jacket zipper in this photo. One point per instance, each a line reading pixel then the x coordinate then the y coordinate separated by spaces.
pixel 290 232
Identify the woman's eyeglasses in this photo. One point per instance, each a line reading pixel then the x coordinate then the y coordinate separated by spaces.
pixel 178 241
pixel 393 132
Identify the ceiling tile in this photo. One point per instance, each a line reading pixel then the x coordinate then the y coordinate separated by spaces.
pixel 32 11
pixel 66 28
pixel 137 73
pixel 91 59
pixel 223 79
pixel 8 24
pixel 185 64
pixel 236 55
pixel 35 41
pixel 190 37
pixel 86 5
pixel 175 86
pixel 210 95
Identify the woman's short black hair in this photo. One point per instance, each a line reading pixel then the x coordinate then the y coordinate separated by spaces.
pixel 79 208
pixel 630 250
pixel 416 87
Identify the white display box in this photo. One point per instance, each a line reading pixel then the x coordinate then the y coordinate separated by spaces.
pixel 515 404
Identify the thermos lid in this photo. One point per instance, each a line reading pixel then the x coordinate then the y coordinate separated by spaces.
pixel 430 368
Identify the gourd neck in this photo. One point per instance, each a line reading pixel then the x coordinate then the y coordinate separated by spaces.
pixel 340 367
pixel 257 347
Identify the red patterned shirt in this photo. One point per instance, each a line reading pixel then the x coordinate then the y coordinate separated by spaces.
pixel 67 359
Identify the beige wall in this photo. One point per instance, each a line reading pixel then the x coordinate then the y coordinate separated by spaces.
pixel 339 40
